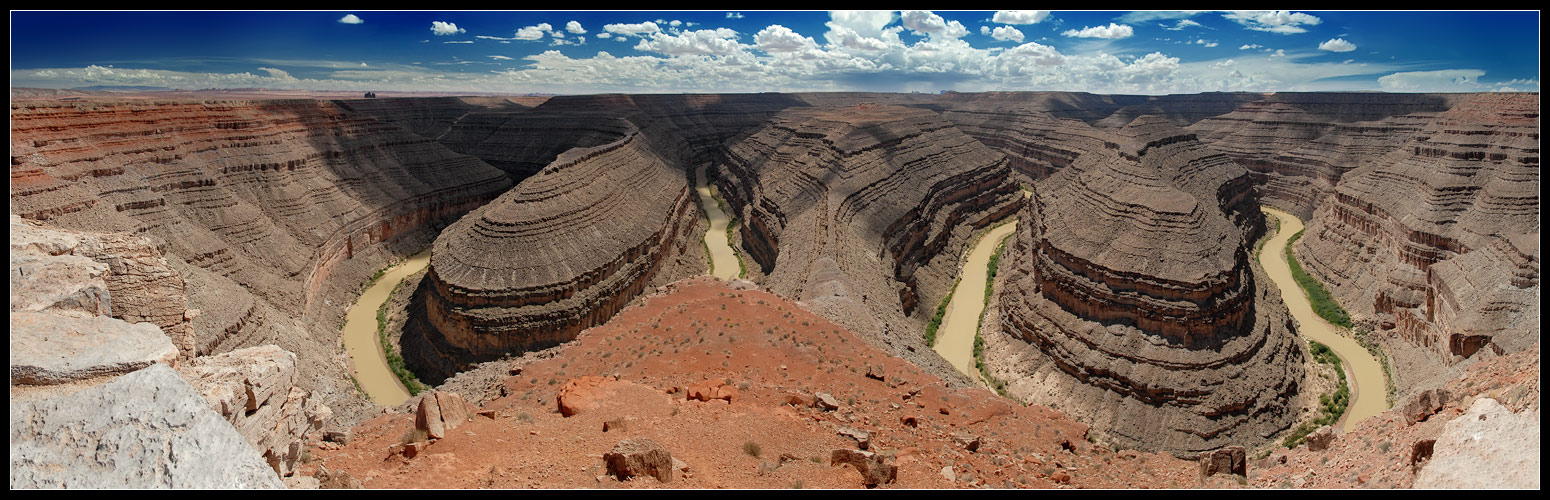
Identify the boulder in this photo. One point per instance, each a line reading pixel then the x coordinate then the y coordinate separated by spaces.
pixel 1227 460
pixel 863 438
pixel 427 417
pixel 101 437
pixel 639 457
pixel 581 394
pixel 874 468
pixel 825 402
pixel 41 282
pixel 1488 446
pixel 1320 439
pixel 968 442
pixel 1423 404
pixel 54 347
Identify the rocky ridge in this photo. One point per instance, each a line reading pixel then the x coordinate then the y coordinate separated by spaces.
pixel 1434 246
pixel 1131 302
pixel 861 212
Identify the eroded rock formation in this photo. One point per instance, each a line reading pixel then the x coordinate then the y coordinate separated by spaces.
pixel 862 211
pixel 563 251
pixel 1436 244
pixel 1130 281
pixel 270 212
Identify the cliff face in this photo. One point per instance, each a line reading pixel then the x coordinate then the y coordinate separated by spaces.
pixel 1131 282
pixel 862 211
pixel 269 212
pixel 561 252
pixel 1300 144
pixel 1435 244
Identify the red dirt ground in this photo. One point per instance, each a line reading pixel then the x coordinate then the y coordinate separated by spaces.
pixel 771 350
pixel 703 331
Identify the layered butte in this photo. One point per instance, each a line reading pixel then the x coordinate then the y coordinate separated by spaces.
pixel 1131 284
pixel 862 211
pixel 1436 244
pixel 561 252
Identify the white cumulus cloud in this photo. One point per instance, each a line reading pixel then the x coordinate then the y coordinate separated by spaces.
pixel 441 28
pixel 1019 16
pixel 927 22
pixel 1248 46
pixel 350 19
pixel 734 15
pixel 636 29
pixel 717 42
pixel 867 23
pixel 1274 21
pixel 533 32
pixel 1337 45
pixel 1007 33
pixel 777 38
pixel 1112 31
pixel 1183 23
pixel 575 27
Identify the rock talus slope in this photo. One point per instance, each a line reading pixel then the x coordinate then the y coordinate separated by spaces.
pixel 1130 285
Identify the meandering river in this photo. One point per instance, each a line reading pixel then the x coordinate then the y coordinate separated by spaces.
pixel 723 260
pixel 955 338
pixel 367 362
pixel 1369 389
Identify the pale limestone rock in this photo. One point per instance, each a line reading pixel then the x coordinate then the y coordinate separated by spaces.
pixel 1487 447
pixel 52 348
pixel 101 437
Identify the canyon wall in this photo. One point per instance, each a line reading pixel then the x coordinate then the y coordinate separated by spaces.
pixel 862 212
pixel 257 206
pixel 1435 245
pixel 1130 286
pixel 561 252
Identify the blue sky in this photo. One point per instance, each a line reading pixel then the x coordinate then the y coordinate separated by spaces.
pixel 1143 52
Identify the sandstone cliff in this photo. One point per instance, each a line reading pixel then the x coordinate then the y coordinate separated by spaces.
pixel 1134 304
pixel 270 212
pixel 563 251
pixel 861 212
pixel 1435 244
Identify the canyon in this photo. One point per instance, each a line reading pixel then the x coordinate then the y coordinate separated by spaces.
pixel 1129 312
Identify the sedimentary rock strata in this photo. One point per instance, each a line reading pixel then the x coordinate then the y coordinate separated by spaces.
pixel 1131 284
pixel 862 211
pixel 107 274
pixel 563 251
pixel 259 207
pixel 1301 144
pixel 255 389
pixel 1435 244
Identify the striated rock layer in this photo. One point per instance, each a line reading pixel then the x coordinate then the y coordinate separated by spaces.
pixel 563 251
pixel 1300 144
pixel 1436 244
pixel 1131 274
pixel 271 213
pixel 862 211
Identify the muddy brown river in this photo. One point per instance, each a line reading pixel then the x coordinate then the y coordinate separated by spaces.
pixel 723 260
pixel 1369 389
pixel 367 362
pixel 955 338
